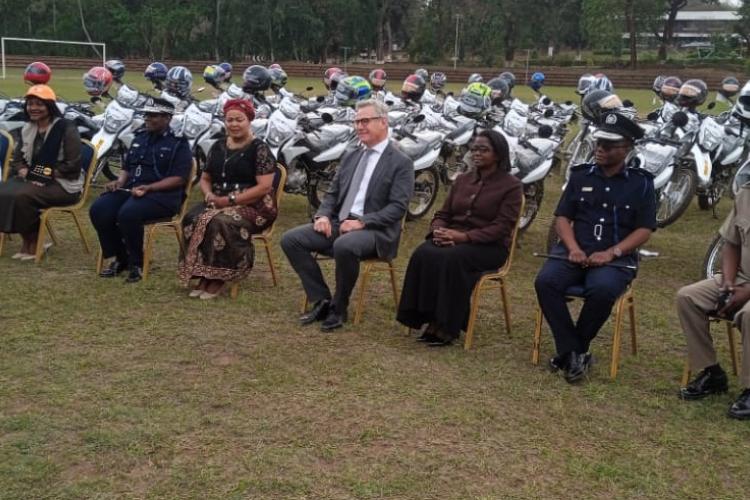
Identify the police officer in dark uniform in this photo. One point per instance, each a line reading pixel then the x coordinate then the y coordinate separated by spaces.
pixel 606 212
pixel 150 187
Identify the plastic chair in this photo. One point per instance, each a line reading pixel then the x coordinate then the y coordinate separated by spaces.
pixel 732 350
pixel 624 301
pixel 265 237
pixel 490 281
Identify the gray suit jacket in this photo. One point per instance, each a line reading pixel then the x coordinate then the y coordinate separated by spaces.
pixel 391 186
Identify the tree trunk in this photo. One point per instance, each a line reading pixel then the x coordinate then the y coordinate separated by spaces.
pixel 630 16
pixel 668 33
pixel 510 42
pixel 216 30
pixel 85 31
pixel 389 40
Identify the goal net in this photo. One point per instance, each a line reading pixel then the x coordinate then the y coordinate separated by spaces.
pixel 4 42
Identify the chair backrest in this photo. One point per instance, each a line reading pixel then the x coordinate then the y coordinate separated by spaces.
pixel 6 152
pixel 506 267
pixel 279 181
pixel 188 187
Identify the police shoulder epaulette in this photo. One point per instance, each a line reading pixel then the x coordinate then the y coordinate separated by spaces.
pixel 580 166
pixel 640 171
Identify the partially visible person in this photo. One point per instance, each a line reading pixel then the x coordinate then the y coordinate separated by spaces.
pixel 726 295
pixel 45 170
pixel 471 234
pixel 151 186
pixel 239 201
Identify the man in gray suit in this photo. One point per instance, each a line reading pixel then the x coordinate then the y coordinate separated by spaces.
pixel 359 218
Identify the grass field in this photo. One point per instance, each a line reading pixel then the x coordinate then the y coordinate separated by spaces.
pixel 135 391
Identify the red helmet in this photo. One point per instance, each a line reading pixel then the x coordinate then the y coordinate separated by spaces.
pixel 413 88
pixel 328 75
pixel 97 80
pixel 377 79
pixel 37 73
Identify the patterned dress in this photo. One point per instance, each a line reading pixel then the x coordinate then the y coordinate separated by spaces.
pixel 219 240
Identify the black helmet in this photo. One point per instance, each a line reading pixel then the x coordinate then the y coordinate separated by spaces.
pixel 729 87
pixel 278 78
pixel 656 86
pixel 499 88
pixel 598 102
pixel 670 87
pixel 509 78
pixel 692 93
pixel 413 88
pixel 256 79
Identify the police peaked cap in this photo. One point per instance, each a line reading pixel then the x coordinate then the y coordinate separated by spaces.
pixel 159 105
pixel 616 127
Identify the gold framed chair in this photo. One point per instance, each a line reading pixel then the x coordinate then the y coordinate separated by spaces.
pixel 686 372
pixel 173 224
pixel 491 281
pixel 264 238
pixel 623 302
pixel 7 145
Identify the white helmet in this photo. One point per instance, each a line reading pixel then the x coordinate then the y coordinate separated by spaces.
pixel 742 105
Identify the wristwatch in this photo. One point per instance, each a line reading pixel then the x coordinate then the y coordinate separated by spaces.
pixel 232 199
pixel 617 252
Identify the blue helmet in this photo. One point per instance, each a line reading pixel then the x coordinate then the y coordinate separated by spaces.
pixel 537 81
pixel 227 71
pixel 179 81
pixel 156 72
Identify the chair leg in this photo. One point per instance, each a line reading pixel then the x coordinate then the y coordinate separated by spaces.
pixel 475 294
pixel 99 261
pixel 304 304
pixel 2 242
pixel 52 233
pixel 178 233
pixel 147 251
pixel 85 241
pixel 394 289
pixel 686 373
pixel 234 291
pixel 267 244
pixel 732 347
pixel 41 235
pixel 633 327
pixel 537 336
pixel 362 290
pixel 616 339
pixel 506 306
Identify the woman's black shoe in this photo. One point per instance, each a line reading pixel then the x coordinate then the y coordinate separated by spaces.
pixel 115 268
pixel 134 275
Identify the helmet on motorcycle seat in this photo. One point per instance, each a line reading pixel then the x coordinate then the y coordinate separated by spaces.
pixel 97 81
pixel 584 84
pixel 227 71
pixel 336 79
pixel 328 75
pixel 278 78
pixel 37 73
pixel 509 78
pixel 474 78
pixel 352 89
pixel 423 73
pixel 413 88
pixel 656 86
pixel 670 87
pixel 474 100
pixel 598 102
pixel 537 80
pixel 256 78
pixel 499 89
pixel 213 74
pixel 116 67
pixel 601 82
pixel 377 79
pixel 179 81
pixel 274 66
pixel 692 93
pixel 438 80
pixel 729 87
pixel 156 72
pixel 742 105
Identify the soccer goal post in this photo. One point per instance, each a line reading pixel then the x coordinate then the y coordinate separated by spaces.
pixel 39 40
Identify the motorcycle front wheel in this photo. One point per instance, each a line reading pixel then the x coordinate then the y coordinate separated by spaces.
pixel 111 164
pixel 712 260
pixel 675 196
pixel 426 185
pixel 319 184
pixel 533 193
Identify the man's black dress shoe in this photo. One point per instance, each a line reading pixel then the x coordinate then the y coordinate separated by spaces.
pixel 578 367
pixel 115 268
pixel 135 274
pixel 318 312
pixel 706 383
pixel 333 321
pixel 557 363
pixel 740 409
pixel 438 342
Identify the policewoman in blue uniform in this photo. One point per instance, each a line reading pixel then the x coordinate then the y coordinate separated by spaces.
pixel 150 187
pixel 606 212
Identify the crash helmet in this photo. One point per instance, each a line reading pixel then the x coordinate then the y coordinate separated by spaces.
pixel 670 87
pixel 37 73
pixel 378 79
pixel 213 74
pixel 413 88
pixel 227 67
pixel 509 78
pixel 475 77
pixel 438 80
pixel 256 78
pixel 537 81
pixel 179 81
pixel 278 78
pixel 658 83
pixel 328 75
pixel 598 102
pixel 584 84
pixel 474 100
pixel 729 87
pixel 693 93
pixel 499 89
pixel 156 72
pixel 116 67
pixel 423 73
pixel 601 82
pixel 742 105
pixel 274 66
pixel 97 81
pixel 352 89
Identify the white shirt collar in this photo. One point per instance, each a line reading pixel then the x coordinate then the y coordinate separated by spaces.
pixel 380 147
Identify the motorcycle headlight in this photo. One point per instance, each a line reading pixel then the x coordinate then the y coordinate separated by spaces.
pixel 114 119
pixel 710 134
pixel 655 156
pixel 193 126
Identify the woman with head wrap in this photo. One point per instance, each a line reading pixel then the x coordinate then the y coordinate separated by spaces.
pixel 239 201
pixel 45 171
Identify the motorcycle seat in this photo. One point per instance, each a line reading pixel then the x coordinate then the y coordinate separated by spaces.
pixel 460 130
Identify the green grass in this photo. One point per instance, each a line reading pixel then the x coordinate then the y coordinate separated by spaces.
pixel 135 391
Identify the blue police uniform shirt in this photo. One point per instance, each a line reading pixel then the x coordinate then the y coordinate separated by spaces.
pixel 153 157
pixel 605 210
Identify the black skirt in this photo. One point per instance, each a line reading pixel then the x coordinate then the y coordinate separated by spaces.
pixel 439 282
pixel 20 203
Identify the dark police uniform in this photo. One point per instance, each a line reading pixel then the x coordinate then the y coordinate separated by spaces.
pixel 118 217
pixel 604 211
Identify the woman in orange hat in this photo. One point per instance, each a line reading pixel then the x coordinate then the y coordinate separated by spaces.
pixel 45 170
